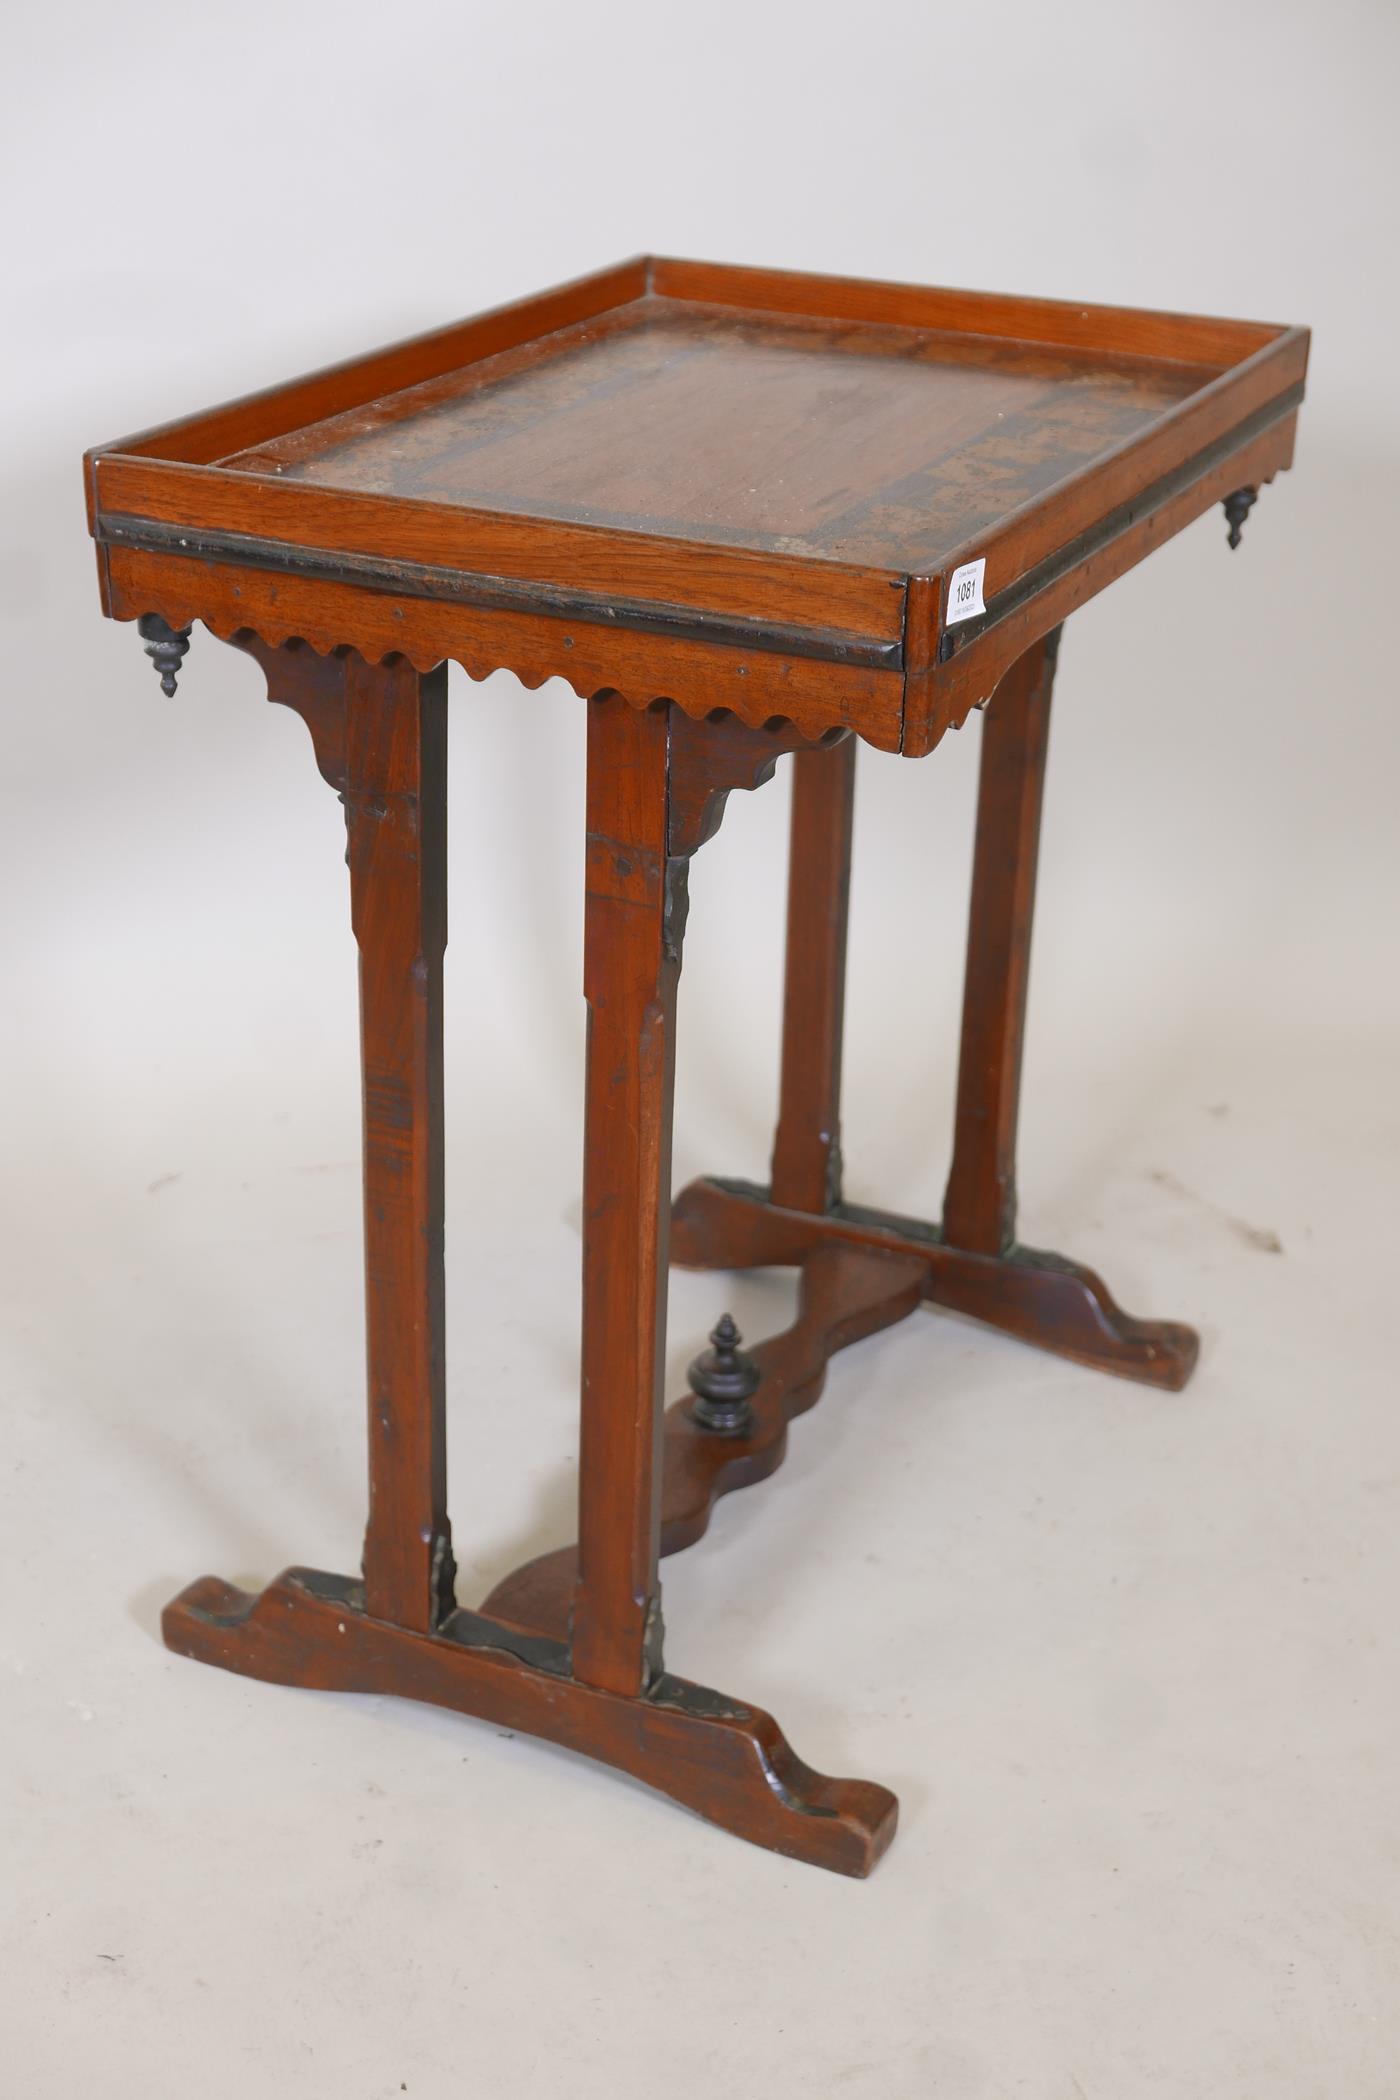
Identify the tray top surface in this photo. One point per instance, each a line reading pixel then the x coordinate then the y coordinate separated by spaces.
pixel 879 445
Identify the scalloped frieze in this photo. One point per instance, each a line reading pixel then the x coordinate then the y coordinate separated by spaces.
pixel 700 678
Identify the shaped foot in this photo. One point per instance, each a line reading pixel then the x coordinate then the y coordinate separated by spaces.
pixel 1040 1298
pixel 729 1762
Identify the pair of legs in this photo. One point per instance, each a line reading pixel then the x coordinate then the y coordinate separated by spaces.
pixel 973 1262
pixel 570 1647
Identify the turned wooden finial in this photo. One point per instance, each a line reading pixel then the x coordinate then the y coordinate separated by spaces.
pixel 724 1381
pixel 166 646
pixel 1237 508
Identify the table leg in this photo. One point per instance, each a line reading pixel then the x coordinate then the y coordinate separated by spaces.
pixel 973 1262
pixel 396 819
pixel 807 1146
pixel 657 783
pixel 651 782
pixel 979 1206
pixel 657 786
pixel 633 913
pixel 380 737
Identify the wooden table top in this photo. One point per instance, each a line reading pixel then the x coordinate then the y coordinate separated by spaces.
pixel 864 499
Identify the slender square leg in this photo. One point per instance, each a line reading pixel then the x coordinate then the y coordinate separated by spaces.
pixel 979 1208
pixel 379 732
pixel 634 901
pixel 972 1263
pixel 807 1146
pixel 570 1647
pixel 396 818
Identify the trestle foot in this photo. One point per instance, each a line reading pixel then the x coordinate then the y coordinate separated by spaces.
pixel 727 1761
pixel 1040 1298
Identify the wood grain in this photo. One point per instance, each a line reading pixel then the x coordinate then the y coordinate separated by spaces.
pixel 756 686
pixel 846 1295
pixel 631 949
pixel 396 821
pixel 1041 1298
pixel 1138 332
pixel 874 447
pixel 979 1208
pixel 725 507
pixel 807 1144
pixel 723 1758
pixel 689 444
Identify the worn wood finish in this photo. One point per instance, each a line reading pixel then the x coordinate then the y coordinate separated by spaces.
pixel 941 696
pixel 979 1208
pixel 396 819
pixel 312 686
pixel 253 418
pixel 1116 331
pixel 726 506
pixel 723 1758
pixel 380 737
pixel 807 1145
pixel 654 427
pixel 594 1675
pixel 757 685
pixel 596 459
pixel 633 926
pixel 1037 1297
pixel 657 785
pixel 710 760
pixel 847 1294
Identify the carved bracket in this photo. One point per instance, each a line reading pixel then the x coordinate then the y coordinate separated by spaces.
pixel 712 757
pixel 313 687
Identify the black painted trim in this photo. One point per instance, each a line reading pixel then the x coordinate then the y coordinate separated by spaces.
pixel 411 579
pixel 1113 523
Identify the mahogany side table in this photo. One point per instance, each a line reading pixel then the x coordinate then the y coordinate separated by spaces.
pixel 743 513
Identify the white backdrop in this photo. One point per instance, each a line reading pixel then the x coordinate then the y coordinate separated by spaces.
pixel 1128 1661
